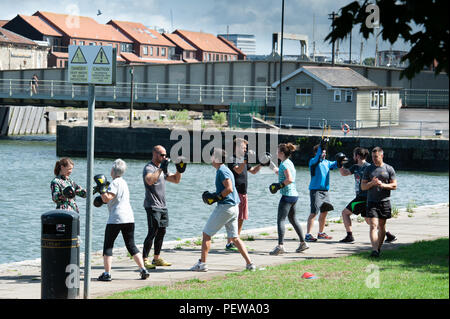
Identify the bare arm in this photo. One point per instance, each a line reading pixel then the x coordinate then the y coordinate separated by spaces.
pixel 106 197
pixel 366 185
pixel 255 169
pixel 228 187
pixel 174 178
pixel 391 186
pixel 288 176
pixel 152 178
pixel 240 168
pixel 344 171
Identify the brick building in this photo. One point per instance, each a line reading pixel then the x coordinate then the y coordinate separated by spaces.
pixel 183 50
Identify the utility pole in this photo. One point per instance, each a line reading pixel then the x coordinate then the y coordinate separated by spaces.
pixel 360 53
pixel 332 16
pixel 314 37
pixel 350 49
pixel 376 45
pixel 281 62
pixel 131 97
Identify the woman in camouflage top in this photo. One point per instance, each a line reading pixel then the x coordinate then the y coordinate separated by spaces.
pixel 64 188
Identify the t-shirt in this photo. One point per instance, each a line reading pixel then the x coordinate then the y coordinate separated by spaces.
pixel 385 173
pixel 155 195
pixel 240 179
pixel 222 174
pixel 120 211
pixel 289 190
pixel 320 172
pixel 358 171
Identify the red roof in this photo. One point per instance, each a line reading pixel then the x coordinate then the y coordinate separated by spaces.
pixel 41 26
pixel 179 41
pixel 205 41
pixel 3 22
pixel 231 45
pixel 7 36
pixel 83 27
pixel 140 33
pixel 133 58
pixel 61 55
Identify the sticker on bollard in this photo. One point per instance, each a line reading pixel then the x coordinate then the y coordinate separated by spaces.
pixel 60 255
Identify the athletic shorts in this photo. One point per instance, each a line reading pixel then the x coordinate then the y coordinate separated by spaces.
pixel 358 205
pixel 223 215
pixel 381 210
pixel 159 215
pixel 243 207
pixel 320 201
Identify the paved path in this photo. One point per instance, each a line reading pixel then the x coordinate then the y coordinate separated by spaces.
pixel 22 280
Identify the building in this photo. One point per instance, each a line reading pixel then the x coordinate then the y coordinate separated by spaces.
pixel 149 46
pixel 18 52
pixel 244 42
pixel 391 58
pixel 183 50
pixel 241 55
pixel 62 30
pixel 338 95
pixel 208 47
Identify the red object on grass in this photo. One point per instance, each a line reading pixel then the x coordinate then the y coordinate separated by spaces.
pixel 308 275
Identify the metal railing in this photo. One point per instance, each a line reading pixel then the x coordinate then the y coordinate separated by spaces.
pixel 143 92
pixel 335 127
pixel 424 98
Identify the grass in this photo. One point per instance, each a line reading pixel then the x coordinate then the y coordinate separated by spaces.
pixel 419 270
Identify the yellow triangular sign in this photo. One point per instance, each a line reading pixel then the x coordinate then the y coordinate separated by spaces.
pixel 78 57
pixel 101 57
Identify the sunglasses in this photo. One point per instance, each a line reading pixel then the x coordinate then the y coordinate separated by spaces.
pixel 163 155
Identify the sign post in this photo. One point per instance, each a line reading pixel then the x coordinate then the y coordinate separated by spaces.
pixel 91 65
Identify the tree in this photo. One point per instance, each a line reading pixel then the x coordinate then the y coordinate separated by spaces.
pixel 396 20
pixel 369 61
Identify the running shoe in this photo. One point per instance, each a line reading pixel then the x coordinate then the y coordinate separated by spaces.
pixel 303 246
pixel 231 247
pixel 144 274
pixel 375 254
pixel 148 264
pixel 104 277
pixel 278 250
pixel 390 238
pixel 309 238
pixel 161 262
pixel 199 266
pixel 250 267
pixel 323 236
pixel 347 239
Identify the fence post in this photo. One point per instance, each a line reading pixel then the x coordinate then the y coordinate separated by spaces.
pixel 51 89
pixel 135 91
pixel 267 94
pixel 114 92
pixel 10 88
pixel 420 132
pixel 428 98
pixel 244 94
pixel 179 98
pixel 73 92
pixel 222 93
pixel 309 125
pixel 200 92
pixel 157 91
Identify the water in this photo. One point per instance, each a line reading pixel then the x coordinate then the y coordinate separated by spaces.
pixel 26 169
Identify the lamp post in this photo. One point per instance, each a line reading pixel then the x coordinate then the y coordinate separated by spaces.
pixel 131 97
pixel 281 62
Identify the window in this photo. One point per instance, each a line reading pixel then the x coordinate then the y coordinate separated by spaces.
pixel 163 51
pixel 74 42
pixel 337 96
pixel 303 97
pixel 209 56
pixel 145 49
pixel 157 51
pixel 81 42
pixel 91 43
pixel 151 51
pixel 374 99
pixel 348 96
pixel 383 98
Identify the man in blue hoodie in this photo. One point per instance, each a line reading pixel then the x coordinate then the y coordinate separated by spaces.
pixel 319 168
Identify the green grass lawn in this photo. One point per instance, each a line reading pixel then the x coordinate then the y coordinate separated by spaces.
pixel 419 270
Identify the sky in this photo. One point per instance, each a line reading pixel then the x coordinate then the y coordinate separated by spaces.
pixel 258 17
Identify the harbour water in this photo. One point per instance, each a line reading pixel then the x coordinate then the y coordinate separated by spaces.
pixel 26 169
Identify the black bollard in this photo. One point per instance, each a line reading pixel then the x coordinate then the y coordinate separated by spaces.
pixel 60 255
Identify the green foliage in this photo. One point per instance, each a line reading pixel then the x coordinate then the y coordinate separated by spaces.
pixel 219 118
pixel 369 61
pixel 410 206
pixel 395 211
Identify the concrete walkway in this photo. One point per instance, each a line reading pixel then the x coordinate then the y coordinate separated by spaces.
pixel 22 280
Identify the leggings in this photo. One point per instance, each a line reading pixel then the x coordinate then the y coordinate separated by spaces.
pixel 155 233
pixel 287 209
pixel 111 233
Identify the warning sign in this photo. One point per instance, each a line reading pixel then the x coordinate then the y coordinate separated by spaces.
pixel 78 57
pixel 101 57
pixel 92 64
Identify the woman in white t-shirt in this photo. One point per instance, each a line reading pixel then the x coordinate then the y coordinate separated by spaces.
pixel 121 219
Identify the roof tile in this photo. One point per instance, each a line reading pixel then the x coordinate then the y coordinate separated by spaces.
pixel 205 41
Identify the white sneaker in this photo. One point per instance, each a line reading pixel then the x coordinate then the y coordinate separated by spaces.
pixel 251 267
pixel 199 266
pixel 277 250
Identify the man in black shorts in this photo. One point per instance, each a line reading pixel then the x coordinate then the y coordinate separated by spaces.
pixel 378 180
pixel 359 203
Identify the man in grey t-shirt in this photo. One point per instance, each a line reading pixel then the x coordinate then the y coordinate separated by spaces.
pixel 379 179
pixel 155 175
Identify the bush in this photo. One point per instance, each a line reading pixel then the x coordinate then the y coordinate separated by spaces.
pixel 219 118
